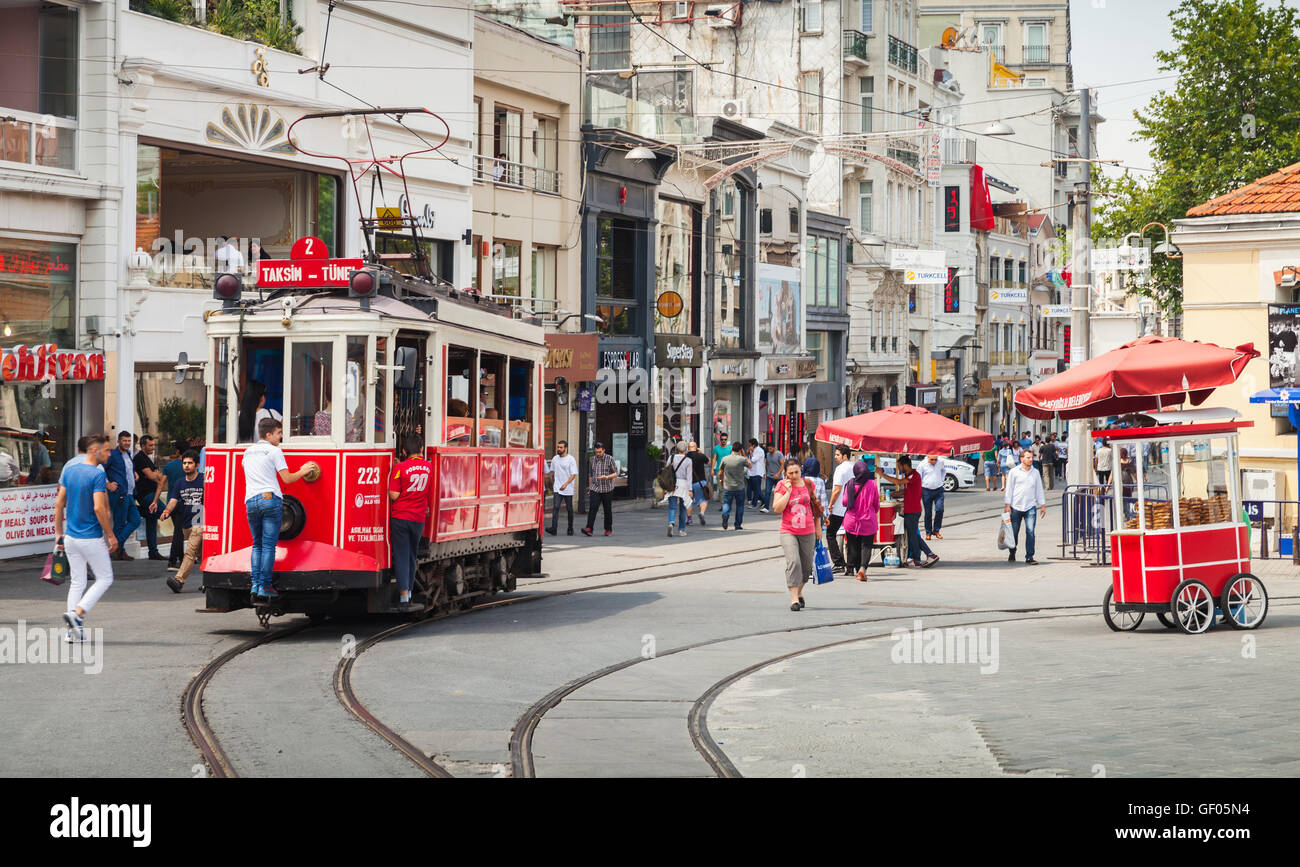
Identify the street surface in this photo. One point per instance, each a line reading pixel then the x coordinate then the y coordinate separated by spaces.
pixel 651 639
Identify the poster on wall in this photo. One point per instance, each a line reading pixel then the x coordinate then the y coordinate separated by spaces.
pixel 1283 334
pixel 779 305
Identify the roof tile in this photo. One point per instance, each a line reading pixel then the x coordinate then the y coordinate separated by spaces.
pixel 1273 193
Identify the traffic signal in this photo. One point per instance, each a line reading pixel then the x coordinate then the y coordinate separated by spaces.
pixel 227 288
pixel 363 283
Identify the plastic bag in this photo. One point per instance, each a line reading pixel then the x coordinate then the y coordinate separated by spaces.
pixel 1006 539
pixel 823 572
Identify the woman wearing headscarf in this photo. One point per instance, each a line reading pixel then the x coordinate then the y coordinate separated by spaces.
pixel 861 500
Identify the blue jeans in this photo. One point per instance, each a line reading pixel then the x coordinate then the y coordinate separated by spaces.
pixel 733 502
pixel 932 502
pixel 754 489
pixel 698 490
pixel 126 517
pixel 915 544
pixel 677 510
pixel 264 522
pixel 769 484
pixel 1030 519
pixel 406 542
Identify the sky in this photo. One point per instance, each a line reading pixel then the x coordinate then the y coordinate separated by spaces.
pixel 1114 42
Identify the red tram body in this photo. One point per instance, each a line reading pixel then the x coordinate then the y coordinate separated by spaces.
pixel 466 378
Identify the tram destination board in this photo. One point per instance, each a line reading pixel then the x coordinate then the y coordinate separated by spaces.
pixel 286 273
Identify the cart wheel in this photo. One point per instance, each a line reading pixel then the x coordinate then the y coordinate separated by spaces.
pixel 1119 621
pixel 1165 620
pixel 1192 607
pixel 1244 601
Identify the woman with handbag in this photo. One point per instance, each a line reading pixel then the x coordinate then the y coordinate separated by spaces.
pixel 801 520
pixel 679 496
pixel 861 517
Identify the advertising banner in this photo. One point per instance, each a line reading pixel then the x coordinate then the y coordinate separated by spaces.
pixel 1283 333
pixel 27 514
pixel 779 307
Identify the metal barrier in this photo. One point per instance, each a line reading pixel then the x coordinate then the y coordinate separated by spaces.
pixel 1088 517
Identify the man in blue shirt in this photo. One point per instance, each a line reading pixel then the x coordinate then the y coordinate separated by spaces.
pixel 121 493
pixel 173 473
pixel 82 507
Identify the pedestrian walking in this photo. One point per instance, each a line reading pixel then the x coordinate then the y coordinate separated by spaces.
pixel 774 471
pixel 185 501
pixel 683 471
pixel 811 466
pixel 148 490
pixel 1101 462
pixel 601 473
pixel 933 474
pixel 801 522
pixel 1007 458
pixel 1026 503
pixel 83 529
pixel 699 481
pixel 732 475
pixel 1047 454
pixel 843 457
pixel 1036 448
pixel 861 500
pixel 564 474
pixel 754 480
pixel 264 469
pixel 720 452
pixel 410 495
pixel 120 469
pixel 991 470
pixel 1062 455
pixel 172 475
pixel 910 481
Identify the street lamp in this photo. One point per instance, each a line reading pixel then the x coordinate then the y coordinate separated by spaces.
pixel 999 127
pixel 1165 247
pixel 640 152
pixel 600 320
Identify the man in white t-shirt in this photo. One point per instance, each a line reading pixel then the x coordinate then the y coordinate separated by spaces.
pixel 754 478
pixel 840 479
pixel 564 472
pixel 229 259
pixel 933 475
pixel 264 469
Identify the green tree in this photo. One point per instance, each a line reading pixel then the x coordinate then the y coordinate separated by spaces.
pixel 178 419
pixel 1232 117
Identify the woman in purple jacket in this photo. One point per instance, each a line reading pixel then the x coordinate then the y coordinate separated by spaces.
pixel 861 517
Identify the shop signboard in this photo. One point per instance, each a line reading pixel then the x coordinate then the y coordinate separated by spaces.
pixel 731 370
pixel 572 356
pixel 27 514
pixel 678 350
pixel 49 362
pixel 1008 296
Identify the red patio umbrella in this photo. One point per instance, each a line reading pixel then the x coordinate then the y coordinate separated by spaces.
pixel 1149 373
pixel 904 429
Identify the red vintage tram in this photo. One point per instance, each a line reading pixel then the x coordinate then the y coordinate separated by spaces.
pixel 353 377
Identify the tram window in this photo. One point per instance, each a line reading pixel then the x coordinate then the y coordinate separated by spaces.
pixel 458 426
pixel 381 390
pixel 354 393
pixel 521 403
pixel 492 388
pixel 311 402
pixel 261 376
pixel 221 419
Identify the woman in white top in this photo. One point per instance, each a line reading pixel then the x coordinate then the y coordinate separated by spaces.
pixel 680 463
pixel 263 412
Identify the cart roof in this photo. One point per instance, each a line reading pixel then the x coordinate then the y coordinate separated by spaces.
pixel 1169 431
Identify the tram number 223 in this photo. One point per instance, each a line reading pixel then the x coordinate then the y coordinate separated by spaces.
pixel 367 475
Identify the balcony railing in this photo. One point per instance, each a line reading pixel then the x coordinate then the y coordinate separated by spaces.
pixel 1036 55
pixel 958 150
pixel 544 309
pixel 855 46
pixel 902 55
pixel 514 174
pixel 37 140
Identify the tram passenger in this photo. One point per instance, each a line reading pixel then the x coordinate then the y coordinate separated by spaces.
pixel 264 469
pixel 409 492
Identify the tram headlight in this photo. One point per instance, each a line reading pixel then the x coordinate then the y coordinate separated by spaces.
pixel 227 288
pixel 363 283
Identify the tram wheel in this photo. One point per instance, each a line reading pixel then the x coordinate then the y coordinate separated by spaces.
pixel 1119 621
pixel 1244 601
pixel 1192 607
pixel 1165 620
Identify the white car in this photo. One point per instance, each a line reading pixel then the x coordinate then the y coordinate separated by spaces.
pixel 958 474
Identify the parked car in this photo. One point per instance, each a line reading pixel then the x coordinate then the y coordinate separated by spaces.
pixel 958 474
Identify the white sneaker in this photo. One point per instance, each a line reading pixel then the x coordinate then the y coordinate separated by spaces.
pixel 765 510
pixel 670 531
pixel 681 532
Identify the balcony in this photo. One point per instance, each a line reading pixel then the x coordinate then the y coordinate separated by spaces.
pixel 37 140
pixel 902 55
pixel 958 150
pixel 515 174
pixel 855 50
pixel 1036 55
pixel 264 23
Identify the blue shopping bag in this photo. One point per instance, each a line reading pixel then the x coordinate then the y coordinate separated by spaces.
pixel 822 565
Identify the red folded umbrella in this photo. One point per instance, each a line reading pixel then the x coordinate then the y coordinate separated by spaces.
pixel 1151 373
pixel 904 429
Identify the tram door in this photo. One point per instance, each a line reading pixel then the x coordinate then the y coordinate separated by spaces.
pixel 408 403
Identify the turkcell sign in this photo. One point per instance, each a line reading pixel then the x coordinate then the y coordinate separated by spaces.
pixel 1008 296
pixel 286 273
pixel 1056 310
pixel 912 276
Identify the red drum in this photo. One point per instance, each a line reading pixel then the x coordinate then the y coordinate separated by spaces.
pixel 885 535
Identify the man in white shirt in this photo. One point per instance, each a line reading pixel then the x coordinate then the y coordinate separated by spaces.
pixel 1024 495
pixel 933 474
pixel 229 259
pixel 757 466
pixel 840 478
pixel 1101 461
pixel 264 469
pixel 564 471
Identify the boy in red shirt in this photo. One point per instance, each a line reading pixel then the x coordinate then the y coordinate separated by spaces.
pixel 409 492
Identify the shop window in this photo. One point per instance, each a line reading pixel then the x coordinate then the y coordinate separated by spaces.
pixel 311 405
pixel 38 292
pixel 261 375
pixel 505 268
pixel 619 319
pixel 520 409
pixel 458 420
pixel 492 399
pixel 354 391
pixel 36 432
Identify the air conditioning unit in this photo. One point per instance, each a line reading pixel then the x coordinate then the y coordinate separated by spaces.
pixel 1264 485
pixel 732 109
